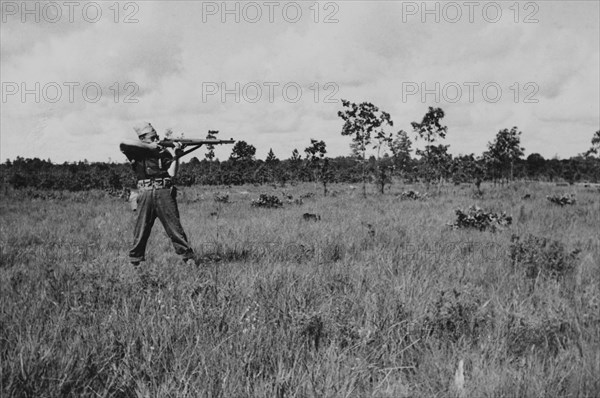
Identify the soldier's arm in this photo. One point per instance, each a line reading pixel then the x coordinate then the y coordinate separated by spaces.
pixel 173 168
pixel 136 150
pixel 176 152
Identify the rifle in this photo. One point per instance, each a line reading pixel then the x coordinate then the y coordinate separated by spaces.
pixel 193 143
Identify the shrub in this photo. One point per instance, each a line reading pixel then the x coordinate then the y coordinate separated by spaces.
pixel 414 195
pixel 457 314
pixel 542 256
pixel 221 197
pixel 268 201
pixel 547 335
pixel 311 217
pixel 17 181
pixel 562 199
pixel 476 217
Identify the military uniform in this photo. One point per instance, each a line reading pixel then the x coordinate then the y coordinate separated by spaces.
pixel 156 198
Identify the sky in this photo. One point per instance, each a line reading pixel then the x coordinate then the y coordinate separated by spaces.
pixel 77 76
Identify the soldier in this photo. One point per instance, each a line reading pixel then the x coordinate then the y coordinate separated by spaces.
pixel 154 166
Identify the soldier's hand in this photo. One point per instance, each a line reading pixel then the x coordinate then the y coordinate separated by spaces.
pixel 176 150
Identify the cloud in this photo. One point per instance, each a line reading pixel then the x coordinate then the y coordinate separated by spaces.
pixel 171 54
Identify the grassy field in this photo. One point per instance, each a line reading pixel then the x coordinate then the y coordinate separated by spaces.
pixel 378 298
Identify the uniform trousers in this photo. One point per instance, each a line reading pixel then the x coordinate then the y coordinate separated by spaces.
pixel 161 203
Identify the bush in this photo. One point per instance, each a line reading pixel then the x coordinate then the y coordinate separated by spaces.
pixel 457 315
pixel 542 256
pixel 547 335
pixel 476 217
pixel 414 195
pixel 562 200
pixel 268 201
pixel 17 181
pixel 221 197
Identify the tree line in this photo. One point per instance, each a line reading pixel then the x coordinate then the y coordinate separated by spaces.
pixel 368 127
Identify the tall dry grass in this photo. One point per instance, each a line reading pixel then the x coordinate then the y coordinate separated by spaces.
pixel 379 298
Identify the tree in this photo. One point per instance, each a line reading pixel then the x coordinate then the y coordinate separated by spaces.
pixel 272 163
pixel 316 150
pixel 504 151
pixel 242 162
pixel 595 149
pixel 242 151
pixel 466 168
pixel 535 164
pixel 210 154
pixel 271 158
pixel 596 142
pixel 401 148
pixel 385 167
pixel 430 129
pixel 295 156
pixel 437 163
pixel 360 122
pixel 315 154
pixel 294 165
pixel 434 158
pixel 383 141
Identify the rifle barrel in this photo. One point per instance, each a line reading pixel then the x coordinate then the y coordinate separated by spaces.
pixel 192 141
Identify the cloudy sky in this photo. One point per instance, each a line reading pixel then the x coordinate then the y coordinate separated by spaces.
pixel 77 76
